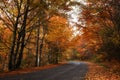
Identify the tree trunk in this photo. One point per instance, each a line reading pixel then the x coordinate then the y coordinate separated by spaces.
pixel 37 48
pixel 41 46
pixel 11 56
pixel 19 60
pixel 42 41
pixel 17 48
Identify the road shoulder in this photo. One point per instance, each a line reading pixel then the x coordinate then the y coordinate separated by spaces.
pixel 97 72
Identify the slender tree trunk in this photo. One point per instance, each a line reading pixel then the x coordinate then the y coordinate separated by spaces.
pixel 57 56
pixel 56 60
pixel 41 46
pixel 37 47
pixel 17 49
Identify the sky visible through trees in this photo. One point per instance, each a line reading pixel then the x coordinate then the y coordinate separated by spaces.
pixel 75 15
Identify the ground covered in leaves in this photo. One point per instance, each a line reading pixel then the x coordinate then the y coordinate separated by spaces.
pixel 100 72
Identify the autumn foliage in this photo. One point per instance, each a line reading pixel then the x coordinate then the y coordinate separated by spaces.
pixel 37 33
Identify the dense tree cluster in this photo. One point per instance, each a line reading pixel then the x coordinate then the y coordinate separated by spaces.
pixel 39 32
pixel 25 24
pixel 103 20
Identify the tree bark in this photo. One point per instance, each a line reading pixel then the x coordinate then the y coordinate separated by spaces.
pixel 11 56
pixel 37 47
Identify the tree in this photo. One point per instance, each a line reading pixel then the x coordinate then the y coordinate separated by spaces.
pixel 48 9
pixel 17 15
pixel 24 19
pixel 58 38
pixel 106 15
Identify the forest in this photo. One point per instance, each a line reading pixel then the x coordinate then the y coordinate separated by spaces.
pixel 40 32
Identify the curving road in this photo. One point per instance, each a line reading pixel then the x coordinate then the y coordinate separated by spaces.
pixel 70 71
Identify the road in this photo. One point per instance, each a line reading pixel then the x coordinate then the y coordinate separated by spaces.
pixel 69 71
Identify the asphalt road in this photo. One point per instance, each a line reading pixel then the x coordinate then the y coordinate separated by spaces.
pixel 70 71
